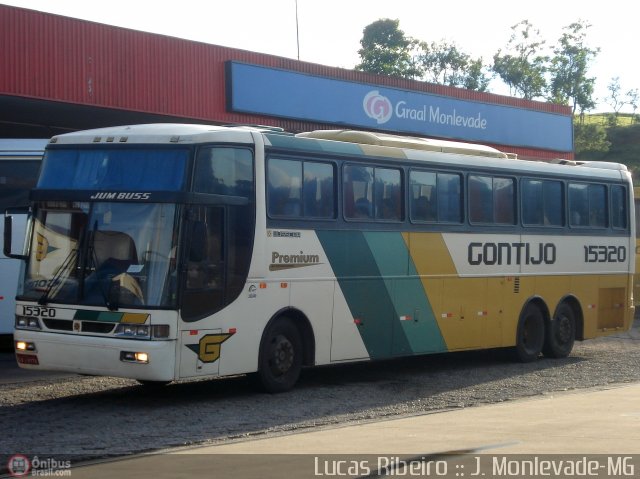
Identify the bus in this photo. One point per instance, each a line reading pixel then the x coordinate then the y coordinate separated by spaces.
pixel 167 252
pixel 19 165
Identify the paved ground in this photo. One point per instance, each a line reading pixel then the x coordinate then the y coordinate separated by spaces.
pixel 10 373
pixel 598 429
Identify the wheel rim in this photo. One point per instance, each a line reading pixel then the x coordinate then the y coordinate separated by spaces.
pixel 282 355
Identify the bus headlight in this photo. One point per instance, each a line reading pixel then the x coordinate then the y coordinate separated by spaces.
pixel 143 331
pixel 140 331
pixel 23 322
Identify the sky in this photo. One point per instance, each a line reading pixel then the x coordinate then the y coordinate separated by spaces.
pixel 329 31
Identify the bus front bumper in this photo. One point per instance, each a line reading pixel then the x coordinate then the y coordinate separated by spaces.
pixel 97 356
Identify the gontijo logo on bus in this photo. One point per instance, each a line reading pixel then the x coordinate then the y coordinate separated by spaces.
pixel 380 108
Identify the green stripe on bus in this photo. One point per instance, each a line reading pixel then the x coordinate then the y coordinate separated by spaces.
pixel 104 316
pixel 415 325
pixel 363 288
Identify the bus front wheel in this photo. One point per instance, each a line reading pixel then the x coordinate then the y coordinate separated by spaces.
pixel 280 359
pixel 530 334
pixel 561 333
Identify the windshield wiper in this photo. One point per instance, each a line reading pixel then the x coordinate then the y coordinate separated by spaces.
pixel 66 264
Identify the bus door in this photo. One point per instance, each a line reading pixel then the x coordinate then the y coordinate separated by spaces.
pixel 204 275
pixel 216 253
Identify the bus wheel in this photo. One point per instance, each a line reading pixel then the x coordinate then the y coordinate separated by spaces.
pixel 530 334
pixel 280 360
pixel 561 333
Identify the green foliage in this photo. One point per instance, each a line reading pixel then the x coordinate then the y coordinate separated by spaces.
pixel 625 146
pixel 387 51
pixel 444 63
pixel 590 141
pixel 624 141
pixel 522 68
pixel 569 83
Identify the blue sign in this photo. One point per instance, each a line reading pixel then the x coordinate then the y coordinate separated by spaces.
pixel 287 94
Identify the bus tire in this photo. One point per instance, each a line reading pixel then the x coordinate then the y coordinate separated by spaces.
pixel 561 333
pixel 530 334
pixel 280 360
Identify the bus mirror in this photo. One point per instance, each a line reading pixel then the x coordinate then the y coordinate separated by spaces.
pixel 8 232
pixel 198 241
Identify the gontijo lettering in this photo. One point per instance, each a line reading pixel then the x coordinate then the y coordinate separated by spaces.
pixel 511 253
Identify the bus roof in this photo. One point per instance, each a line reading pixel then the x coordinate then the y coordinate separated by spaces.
pixel 345 142
pixel 170 133
pixel 410 142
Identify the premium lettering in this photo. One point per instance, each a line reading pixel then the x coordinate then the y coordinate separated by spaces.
pixel 286 261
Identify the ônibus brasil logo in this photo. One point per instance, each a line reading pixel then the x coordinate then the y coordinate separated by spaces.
pixel 377 107
pixel 18 465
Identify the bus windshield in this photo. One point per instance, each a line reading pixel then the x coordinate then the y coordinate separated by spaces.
pixel 103 254
pixel 114 169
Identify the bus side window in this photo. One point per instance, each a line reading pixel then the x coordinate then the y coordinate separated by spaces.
pixel 618 207
pixel 358 192
pixel 285 187
pixel 480 199
pixel 224 171
pixel 388 189
pixel 578 205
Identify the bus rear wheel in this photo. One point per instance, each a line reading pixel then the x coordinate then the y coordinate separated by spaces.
pixel 530 334
pixel 280 359
pixel 561 333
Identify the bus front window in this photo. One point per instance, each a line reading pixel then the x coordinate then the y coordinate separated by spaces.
pixel 113 254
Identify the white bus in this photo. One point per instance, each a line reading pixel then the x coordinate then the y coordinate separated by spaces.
pixel 19 164
pixel 167 252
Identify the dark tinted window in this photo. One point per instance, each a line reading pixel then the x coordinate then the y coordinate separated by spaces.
pixel 16 179
pixel 587 205
pixel 224 171
pixel 114 169
pixel 619 207
pixel 435 197
pixel 301 189
pixel 542 203
pixel 372 193
pixel 491 200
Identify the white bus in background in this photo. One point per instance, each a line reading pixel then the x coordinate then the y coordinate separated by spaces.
pixel 19 165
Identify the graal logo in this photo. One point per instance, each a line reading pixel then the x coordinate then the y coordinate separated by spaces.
pixel 377 107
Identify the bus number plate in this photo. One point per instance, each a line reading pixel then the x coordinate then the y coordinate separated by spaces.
pixel 35 311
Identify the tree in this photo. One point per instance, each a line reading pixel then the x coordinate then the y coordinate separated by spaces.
pixel 522 67
pixel 445 64
pixel 476 78
pixel 569 84
pixel 590 140
pixel 387 51
pixel 615 99
pixel 632 101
